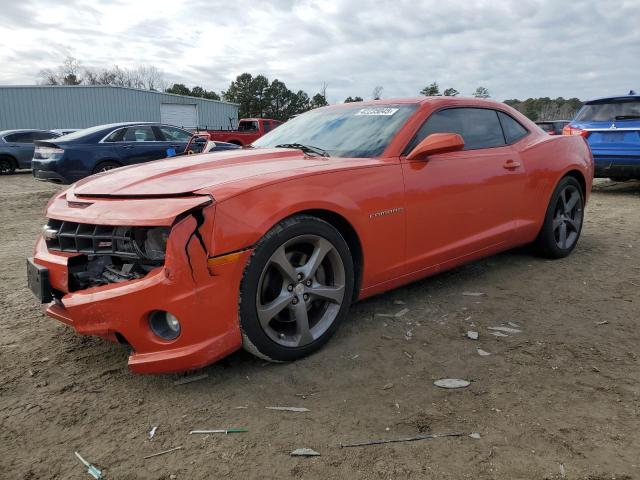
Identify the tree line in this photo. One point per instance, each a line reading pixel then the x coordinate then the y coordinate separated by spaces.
pixel 257 96
pixel 545 108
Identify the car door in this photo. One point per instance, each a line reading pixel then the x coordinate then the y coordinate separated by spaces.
pixel 140 144
pixel 460 204
pixel 173 138
pixel 20 144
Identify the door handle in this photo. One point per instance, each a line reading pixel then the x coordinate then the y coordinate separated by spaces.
pixel 511 164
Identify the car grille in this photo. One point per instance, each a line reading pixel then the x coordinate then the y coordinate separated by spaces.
pixel 91 239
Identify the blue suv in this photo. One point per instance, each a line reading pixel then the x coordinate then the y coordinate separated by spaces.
pixel 71 157
pixel 611 126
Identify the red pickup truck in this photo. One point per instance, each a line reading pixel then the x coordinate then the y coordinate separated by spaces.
pixel 249 130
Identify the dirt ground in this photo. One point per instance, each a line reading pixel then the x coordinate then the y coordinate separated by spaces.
pixel 560 398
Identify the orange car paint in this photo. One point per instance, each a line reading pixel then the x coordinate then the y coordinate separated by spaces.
pixel 411 218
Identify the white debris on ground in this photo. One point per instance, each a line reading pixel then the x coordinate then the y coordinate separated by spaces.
pixel 289 409
pixel 304 452
pixel 506 329
pixel 451 383
pixel 472 335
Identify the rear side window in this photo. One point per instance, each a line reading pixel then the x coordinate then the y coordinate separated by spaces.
pixel 266 126
pixel 140 134
pixel 116 136
pixel 479 127
pixel 22 137
pixel 248 126
pixel 513 131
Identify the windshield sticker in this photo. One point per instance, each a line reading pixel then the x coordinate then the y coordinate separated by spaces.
pixel 385 111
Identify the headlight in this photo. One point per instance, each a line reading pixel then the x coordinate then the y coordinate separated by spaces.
pixel 149 243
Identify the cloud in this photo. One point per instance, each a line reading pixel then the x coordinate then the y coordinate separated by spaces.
pixel 515 49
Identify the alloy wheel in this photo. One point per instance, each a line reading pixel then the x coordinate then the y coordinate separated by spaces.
pixel 300 291
pixel 5 166
pixel 567 220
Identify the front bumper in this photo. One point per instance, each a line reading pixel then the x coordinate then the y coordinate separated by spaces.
pixel 204 299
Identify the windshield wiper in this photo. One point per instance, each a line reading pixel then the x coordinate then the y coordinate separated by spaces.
pixel 627 117
pixel 305 148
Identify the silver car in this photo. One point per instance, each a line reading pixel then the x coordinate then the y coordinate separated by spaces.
pixel 16 147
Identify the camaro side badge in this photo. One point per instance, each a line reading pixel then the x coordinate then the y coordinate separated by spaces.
pixel 384 213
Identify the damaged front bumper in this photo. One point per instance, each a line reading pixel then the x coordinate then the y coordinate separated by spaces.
pixel 202 295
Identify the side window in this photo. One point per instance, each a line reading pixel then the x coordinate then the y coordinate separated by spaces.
pixel 139 134
pixel 21 137
pixel 267 126
pixel 116 136
pixel 44 135
pixel 479 127
pixel 172 134
pixel 513 131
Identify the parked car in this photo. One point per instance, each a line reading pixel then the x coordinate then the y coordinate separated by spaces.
pixel 101 148
pixel 249 130
pixel 16 147
pixel 553 127
pixel 267 247
pixel 611 126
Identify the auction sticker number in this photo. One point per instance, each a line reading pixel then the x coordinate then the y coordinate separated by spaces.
pixel 384 111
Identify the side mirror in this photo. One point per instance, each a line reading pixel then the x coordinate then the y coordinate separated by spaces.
pixel 200 140
pixel 436 143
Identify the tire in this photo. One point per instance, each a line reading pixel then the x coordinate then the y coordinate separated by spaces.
pixel 563 220
pixel 105 166
pixel 296 289
pixel 7 166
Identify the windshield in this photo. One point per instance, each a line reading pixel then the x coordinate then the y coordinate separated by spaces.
pixel 609 111
pixel 354 131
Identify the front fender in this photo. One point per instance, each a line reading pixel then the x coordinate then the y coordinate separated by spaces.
pixel 355 195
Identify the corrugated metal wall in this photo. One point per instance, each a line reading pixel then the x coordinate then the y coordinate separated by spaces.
pixel 50 107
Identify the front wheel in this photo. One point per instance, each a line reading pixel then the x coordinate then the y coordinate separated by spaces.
pixel 296 289
pixel 563 220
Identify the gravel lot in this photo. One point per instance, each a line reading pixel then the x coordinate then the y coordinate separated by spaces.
pixel 563 395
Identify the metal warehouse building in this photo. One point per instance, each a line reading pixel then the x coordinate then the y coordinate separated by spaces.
pixel 81 106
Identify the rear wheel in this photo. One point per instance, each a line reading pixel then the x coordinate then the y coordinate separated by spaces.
pixel 563 221
pixel 105 166
pixel 296 289
pixel 7 166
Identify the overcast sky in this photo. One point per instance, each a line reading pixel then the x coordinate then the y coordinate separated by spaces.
pixel 517 49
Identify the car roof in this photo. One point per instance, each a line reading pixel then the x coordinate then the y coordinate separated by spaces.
pixel 441 99
pixel 630 96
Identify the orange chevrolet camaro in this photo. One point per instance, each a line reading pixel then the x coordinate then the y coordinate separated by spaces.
pixel 188 259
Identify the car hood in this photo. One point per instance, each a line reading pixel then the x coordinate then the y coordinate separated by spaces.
pixel 199 174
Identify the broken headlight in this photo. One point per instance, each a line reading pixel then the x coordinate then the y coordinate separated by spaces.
pixel 147 243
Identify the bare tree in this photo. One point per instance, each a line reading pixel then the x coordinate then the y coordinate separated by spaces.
pixel 323 91
pixel 377 92
pixel 65 74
